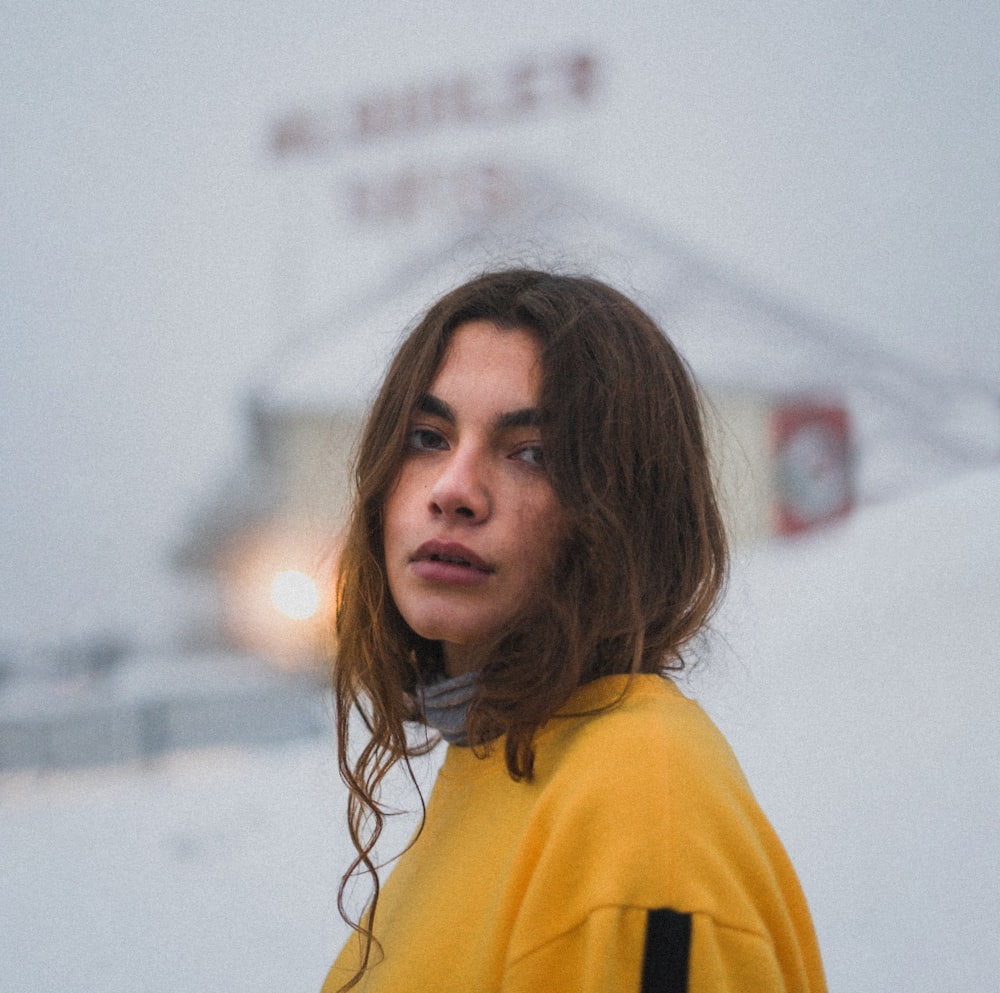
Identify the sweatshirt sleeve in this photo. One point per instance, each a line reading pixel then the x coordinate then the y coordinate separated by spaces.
pixel 624 949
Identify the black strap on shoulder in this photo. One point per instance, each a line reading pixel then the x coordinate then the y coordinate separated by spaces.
pixel 668 949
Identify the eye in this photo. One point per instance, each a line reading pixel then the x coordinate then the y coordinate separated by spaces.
pixel 531 455
pixel 426 440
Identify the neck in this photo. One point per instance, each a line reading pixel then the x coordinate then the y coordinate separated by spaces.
pixel 459 659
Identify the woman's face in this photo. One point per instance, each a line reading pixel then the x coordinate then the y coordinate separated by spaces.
pixel 472 523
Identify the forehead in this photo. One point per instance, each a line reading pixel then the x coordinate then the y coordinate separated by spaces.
pixel 486 363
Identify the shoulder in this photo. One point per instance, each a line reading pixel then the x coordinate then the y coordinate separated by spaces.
pixel 652 779
pixel 641 800
pixel 625 732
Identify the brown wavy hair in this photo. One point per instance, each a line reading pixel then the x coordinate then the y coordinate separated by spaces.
pixel 635 580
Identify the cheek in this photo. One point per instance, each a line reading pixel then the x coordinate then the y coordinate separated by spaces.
pixel 394 544
pixel 396 512
pixel 545 535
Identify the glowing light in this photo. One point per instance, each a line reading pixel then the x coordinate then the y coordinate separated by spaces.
pixel 295 594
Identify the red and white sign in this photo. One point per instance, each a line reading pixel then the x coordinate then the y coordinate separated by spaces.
pixel 812 465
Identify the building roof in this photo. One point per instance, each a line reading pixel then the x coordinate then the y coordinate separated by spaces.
pixel 909 425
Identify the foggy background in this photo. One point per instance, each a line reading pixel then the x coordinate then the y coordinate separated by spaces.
pixel 841 155
pixel 156 266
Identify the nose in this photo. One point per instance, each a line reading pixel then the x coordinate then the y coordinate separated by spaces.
pixel 461 489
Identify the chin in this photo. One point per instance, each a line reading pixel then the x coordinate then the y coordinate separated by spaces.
pixel 431 629
pixel 448 632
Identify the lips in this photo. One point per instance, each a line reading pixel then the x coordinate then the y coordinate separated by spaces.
pixel 449 562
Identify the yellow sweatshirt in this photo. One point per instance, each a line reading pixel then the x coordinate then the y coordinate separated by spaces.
pixel 636 860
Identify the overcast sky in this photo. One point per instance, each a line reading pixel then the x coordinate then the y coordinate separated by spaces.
pixel 843 155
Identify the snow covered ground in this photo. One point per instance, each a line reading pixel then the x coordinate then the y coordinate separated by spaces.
pixel 857 680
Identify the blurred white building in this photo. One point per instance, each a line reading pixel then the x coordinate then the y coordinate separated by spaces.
pixel 389 199
pixel 779 424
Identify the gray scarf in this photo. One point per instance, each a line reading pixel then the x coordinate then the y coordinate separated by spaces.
pixel 444 705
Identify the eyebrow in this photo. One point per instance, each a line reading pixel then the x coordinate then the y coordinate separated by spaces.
pixel 524 417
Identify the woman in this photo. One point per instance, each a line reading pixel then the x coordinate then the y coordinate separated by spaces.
pixel 535 541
